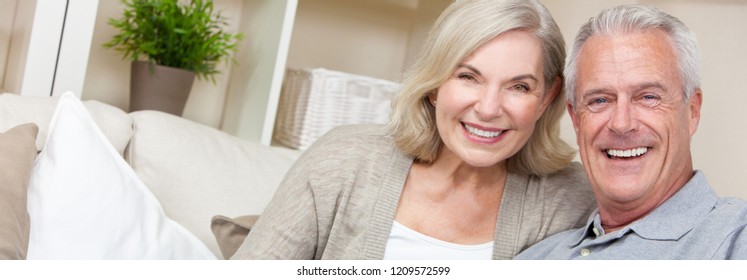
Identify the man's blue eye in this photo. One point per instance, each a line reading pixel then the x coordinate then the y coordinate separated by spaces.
pixel 598 104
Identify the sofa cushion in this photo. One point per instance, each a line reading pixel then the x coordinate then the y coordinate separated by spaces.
pixel 230 233
pixel 16 109
pixel 85 202
pixel 197 172
pixel 17 153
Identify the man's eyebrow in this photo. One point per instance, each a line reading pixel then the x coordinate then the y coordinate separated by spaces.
pixel 634 88
pixel 649 85
pixel 595 91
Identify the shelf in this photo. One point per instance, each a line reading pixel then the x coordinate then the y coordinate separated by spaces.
pixel 375 38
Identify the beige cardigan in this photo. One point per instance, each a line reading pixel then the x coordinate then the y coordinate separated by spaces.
pixel 339 200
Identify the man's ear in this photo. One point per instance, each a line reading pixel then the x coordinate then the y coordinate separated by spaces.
pixel 573 115
pixel 696 101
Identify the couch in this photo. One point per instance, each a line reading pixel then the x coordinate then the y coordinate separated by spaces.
pixel 200 176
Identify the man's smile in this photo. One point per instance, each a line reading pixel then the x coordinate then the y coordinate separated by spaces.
pixel 627 153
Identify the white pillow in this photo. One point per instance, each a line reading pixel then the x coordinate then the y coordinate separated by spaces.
pixel 85 202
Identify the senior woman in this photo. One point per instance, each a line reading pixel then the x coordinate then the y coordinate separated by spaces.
pixel 471 165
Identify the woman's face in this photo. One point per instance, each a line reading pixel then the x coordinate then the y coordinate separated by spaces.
pixel 486 110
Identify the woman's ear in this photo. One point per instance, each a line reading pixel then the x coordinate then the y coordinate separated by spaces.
pixel 552 93
pixel 433 97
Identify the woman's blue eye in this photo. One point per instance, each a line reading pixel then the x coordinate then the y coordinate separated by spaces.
pixel 521 87
pixel 466 76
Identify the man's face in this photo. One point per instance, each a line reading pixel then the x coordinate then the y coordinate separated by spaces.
pixel 632 121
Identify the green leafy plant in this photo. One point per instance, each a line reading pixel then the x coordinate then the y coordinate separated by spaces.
pixel 174 33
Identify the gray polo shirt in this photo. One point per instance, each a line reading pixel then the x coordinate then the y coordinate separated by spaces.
pixel 693 224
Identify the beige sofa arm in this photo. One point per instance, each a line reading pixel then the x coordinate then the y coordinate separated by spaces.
pixel 16 109
pixel 197 172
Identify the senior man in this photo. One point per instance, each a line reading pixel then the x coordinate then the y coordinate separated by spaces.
pixel 634 98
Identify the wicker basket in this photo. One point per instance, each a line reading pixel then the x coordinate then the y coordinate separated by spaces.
pixel 313 101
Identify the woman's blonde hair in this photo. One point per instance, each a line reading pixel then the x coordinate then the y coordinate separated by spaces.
pixel 463 27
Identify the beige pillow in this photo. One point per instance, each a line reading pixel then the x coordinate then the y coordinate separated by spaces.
pixel 17 153
pixel 230 233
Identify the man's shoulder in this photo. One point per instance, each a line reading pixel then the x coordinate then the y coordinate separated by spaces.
pixel 549 247
pixel 729 220
pixel 727 210
pixel 733 207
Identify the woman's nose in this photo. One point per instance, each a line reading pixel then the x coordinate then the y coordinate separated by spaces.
pixel 489 105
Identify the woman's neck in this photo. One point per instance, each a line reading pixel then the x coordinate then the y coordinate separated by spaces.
pixel 450 168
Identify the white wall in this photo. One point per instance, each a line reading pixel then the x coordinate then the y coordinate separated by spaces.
pixel 425 17
pixel 255 85
pixel 15 32
pixel 7 16
pixel 719 145
pixel 364 37
pixel 108 74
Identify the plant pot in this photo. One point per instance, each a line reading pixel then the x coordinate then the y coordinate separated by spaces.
pixel 156 87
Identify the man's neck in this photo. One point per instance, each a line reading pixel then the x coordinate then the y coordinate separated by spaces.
pixel 618 215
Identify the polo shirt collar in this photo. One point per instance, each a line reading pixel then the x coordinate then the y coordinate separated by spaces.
pixel 588 230
pixel 672 219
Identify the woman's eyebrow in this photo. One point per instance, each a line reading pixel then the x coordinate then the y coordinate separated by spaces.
pixel 516 78
pixel 525 76
pixel 470 67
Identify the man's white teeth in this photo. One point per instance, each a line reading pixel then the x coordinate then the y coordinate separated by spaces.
pixel 627 153
pixel 482 133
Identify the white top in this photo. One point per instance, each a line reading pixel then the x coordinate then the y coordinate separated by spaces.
pixel 407 244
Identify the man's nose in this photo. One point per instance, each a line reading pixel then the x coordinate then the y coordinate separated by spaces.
pixel 623 119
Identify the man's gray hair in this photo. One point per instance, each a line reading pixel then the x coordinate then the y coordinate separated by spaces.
pixel 638 18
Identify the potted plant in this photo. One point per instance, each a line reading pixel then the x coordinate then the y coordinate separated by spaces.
pixel 169 43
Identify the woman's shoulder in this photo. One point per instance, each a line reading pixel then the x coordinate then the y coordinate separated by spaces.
pixel 351 143
pixel 354 137
pixel 571 179
pixel 365 131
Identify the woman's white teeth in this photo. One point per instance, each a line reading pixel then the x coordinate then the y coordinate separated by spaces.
pixel 482 133
pixel 627 153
